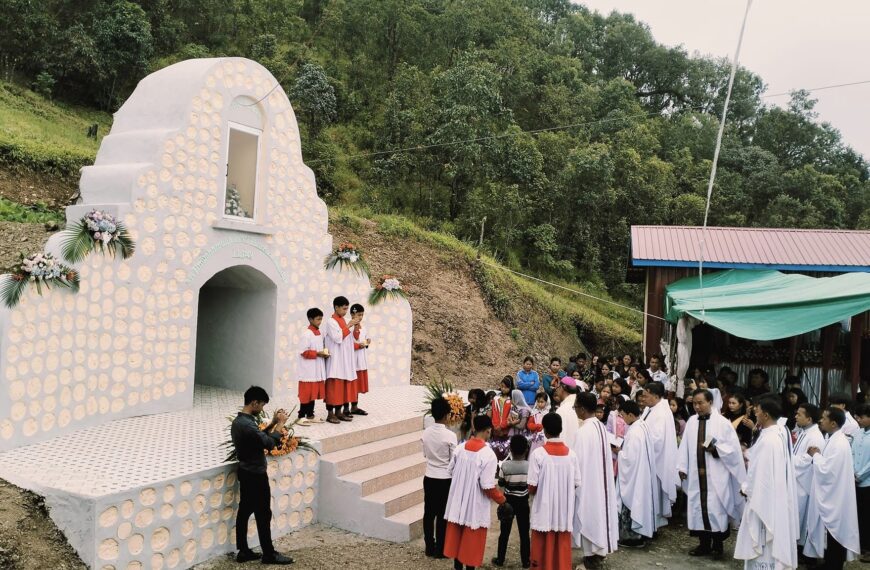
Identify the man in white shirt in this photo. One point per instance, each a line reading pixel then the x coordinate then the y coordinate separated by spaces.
pixel 832 518
pixel 808 435
pixel 768 532
pixel 637 487
pixel 659 375
pixel 439 442
pixel 565 393
pixel 663 433
pixel 844 402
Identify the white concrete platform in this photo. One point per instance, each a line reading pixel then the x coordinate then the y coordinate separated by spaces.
pixel 154 491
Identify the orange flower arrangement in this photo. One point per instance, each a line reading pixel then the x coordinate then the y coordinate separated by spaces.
pixel 288 444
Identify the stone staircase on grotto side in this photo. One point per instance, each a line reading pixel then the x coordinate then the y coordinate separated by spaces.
pixel 371 481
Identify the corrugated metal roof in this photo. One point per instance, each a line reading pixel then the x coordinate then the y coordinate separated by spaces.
pixel 774 248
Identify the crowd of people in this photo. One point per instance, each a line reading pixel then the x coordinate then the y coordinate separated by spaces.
pixel 600 453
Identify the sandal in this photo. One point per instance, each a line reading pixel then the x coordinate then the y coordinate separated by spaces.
pixel 303 422
pixel 333 419
pixel 360 412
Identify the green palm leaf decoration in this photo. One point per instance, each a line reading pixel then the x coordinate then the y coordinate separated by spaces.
pixel 348 256
pixel 97 231
pixel 41 270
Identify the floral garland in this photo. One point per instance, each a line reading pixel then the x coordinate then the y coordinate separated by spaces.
pixel 41 269
pixel 347 255
pixel 444 389
pixel 233 204
pixel 97 230
pixel 289 443
pixel 388 288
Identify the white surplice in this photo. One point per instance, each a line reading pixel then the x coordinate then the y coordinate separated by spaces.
pixel 637 487
pixel 556 477
pixel 341 363
pixel 596 523
pixel 724 476
pixel 803 472
pixel 832 505
pixel 471 472
pixel 570 423
pixel 767 538
pixel 660 421
pixel 851 425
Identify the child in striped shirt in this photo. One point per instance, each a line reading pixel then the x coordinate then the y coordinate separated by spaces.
pixel 514 473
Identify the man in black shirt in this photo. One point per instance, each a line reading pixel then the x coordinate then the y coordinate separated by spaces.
pixel 251 443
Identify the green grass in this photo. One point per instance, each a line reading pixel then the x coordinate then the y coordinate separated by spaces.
pixel 35 214
pixel 609 327
pixel 46 137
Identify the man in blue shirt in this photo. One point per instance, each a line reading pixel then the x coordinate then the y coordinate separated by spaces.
pixel 861 459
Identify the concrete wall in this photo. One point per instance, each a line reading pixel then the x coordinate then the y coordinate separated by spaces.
pixel 125 345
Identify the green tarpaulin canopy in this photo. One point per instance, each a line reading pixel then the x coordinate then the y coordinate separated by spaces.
pixel 767 305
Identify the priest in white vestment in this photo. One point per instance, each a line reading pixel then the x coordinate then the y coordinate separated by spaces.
pixel 341 364
pixel 660 420
pixel 637 488
pixel 472 470
pixel 596 521
pixel 832 516
pixel 710 462
pixel 767 538
pixel 566 393
pixel 554 474
pixel 808 435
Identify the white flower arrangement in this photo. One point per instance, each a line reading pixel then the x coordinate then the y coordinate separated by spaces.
pixel 40 269
pixel 97 230
pixel 389 287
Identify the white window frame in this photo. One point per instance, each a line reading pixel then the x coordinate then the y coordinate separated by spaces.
pixel 259 134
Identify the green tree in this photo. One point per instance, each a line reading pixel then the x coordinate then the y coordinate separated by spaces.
pixel 314 96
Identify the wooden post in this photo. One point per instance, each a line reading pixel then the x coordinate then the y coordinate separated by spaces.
pixel 829 336
pixel 480 243
pixel 792 358
pixel 856 331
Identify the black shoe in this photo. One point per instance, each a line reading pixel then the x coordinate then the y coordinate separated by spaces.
pixel 277 559
pixel 700 551
pixel 527 564
pixel 439 556
pixel 717 555
pixel 497 562
pixel 360 412
pixel 247 556
pixel 632 543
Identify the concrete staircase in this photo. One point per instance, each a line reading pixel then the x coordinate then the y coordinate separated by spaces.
pixel 371 481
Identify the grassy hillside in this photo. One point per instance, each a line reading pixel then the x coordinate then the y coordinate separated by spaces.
pixel 43 145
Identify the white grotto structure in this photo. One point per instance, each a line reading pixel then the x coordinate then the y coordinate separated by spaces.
pixel 113 401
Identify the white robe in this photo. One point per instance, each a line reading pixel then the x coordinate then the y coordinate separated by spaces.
pixel 768 533
pixel 724 475
pixel 570 423
pixel 803 473
pixel 471 472
pixel 596 522
pixel 832 505
pixel 637 487
pixel 360 356
pixel 556 477
pixel 851 425
pixel 341 363
pixel 660 421
pixel 310 369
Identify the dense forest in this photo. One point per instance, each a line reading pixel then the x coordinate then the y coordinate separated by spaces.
pixel 561 126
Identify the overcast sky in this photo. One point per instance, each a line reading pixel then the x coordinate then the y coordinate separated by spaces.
pixel 791 44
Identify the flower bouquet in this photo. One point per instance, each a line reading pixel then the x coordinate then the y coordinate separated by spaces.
pixel 41 269
pixel 290 442
pixel 388 288
pixel 97 230
pixel 444 389
pixel 347 256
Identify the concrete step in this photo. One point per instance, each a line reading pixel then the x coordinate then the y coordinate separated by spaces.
pixel 388 474
pixel 375 453
pixel 380 432
pixel 412 518
pixel 399 497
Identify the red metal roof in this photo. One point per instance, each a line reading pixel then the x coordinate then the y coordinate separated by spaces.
pixel 774 248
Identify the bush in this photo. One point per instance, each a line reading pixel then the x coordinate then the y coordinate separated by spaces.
pixel 44 84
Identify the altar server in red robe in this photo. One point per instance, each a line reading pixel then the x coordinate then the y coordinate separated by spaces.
pixel 311 368
pixel 361 342
pixel 341 365
pixel 554 474
pixel 472 470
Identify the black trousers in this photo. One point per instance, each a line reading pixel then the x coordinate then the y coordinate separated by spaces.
pixel 255 497
pixel 863 496
pixel 306 409
pixel 435 493
pixel 521 513
pixel 835 554
pixel 711 540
